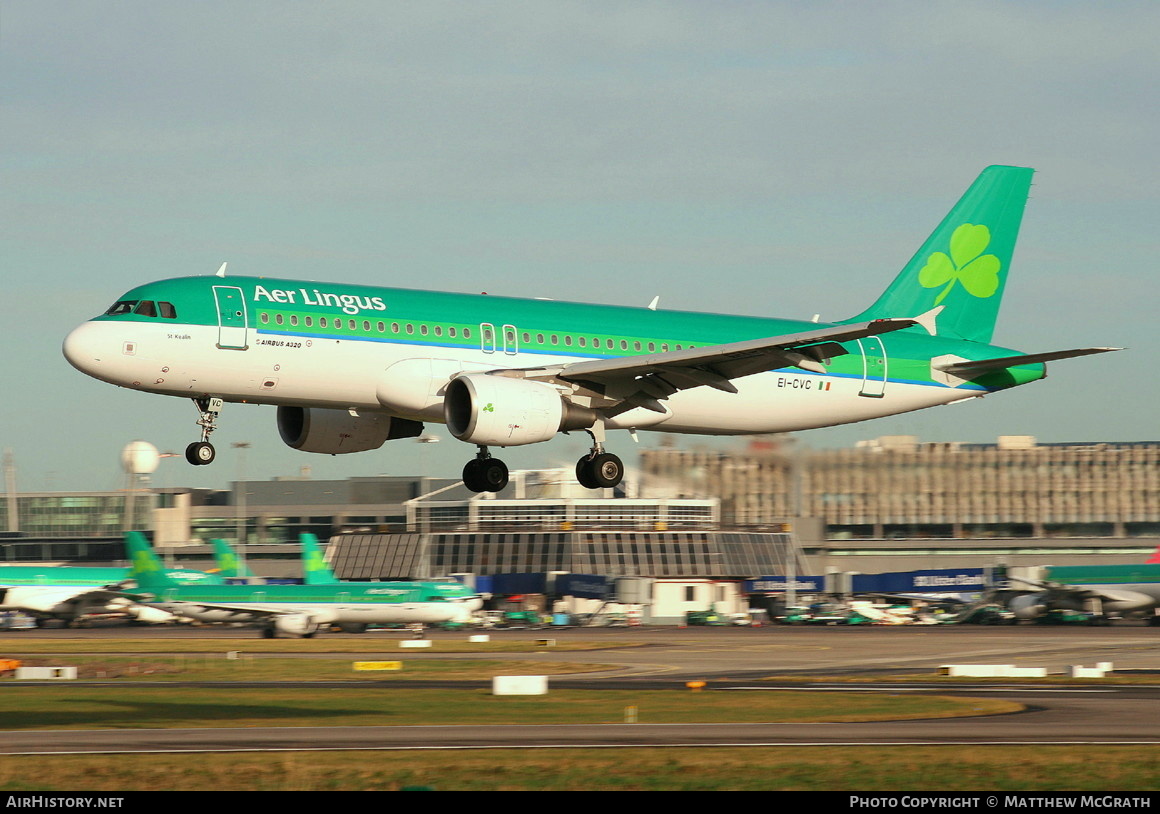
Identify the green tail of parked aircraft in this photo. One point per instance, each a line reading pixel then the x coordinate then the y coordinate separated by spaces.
pixel 299 609
pixel 315 571
pixel 352 367
pixel 228 564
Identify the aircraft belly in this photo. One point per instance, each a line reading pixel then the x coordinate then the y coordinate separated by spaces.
pixel 783 402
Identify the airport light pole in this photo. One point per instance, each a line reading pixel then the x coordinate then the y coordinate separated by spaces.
pixel 240 521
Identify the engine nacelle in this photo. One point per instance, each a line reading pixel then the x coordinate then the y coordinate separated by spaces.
pixel 334 432
pixel 505 412
pixel 300 624
pixel 1029 606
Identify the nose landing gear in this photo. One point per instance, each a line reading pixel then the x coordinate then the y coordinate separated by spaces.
pixel 201 453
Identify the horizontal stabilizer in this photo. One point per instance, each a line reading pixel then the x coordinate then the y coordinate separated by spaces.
pixel 982 365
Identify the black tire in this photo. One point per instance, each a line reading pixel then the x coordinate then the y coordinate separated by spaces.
pixel 493 474
pixel 473 476
pixel 200 453
pixel 584 473
pixel 607 470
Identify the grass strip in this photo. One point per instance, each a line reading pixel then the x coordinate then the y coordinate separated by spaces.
pixel 823 768
pixel 383 705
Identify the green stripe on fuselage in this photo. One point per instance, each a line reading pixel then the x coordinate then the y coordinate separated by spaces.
pixel 630 329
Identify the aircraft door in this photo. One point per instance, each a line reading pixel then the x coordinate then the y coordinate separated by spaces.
pixel 231 308
pixel 874 367
pixel 511 344
pixel 487 337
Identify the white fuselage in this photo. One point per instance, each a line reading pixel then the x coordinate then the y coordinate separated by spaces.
pixel 407 379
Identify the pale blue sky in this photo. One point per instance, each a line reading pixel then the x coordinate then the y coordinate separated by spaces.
pixel 769 158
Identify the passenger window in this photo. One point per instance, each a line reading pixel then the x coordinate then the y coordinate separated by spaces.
pixel 265 318
pixel 167 310
pixel 146 308
pixel 293 319
pixel 451 332
pixel 322 322
pixel 366 325
pixel 309 321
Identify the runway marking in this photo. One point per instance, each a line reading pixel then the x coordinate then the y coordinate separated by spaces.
pixel 856 688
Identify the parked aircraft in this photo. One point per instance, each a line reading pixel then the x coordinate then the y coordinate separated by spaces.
pixel 298 609
pixel 351 367
pixel 315 571
pixel 228 565
pixel 69 592
pixel 1118 590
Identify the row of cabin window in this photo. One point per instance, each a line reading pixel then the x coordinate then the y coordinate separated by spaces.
pixel 352 324
pixel 488 335
pixel 145 308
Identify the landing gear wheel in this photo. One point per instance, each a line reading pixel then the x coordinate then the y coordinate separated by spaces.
pixel 200 453
pixel 601 471
pixel 584 473
pixel 485 475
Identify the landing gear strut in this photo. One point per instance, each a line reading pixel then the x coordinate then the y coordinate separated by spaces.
pixel 599 469
pixel 484 473
pixel 202 452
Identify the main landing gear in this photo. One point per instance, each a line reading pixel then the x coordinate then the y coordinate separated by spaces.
pixel 484 473
pixel 201 453
pixel 599 469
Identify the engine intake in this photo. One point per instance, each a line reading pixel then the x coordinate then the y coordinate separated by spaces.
pixel 335 432
pixel 505 412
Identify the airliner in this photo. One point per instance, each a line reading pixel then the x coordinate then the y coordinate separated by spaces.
pixel 1121 590
pixel 351 367
pixel 69 592
pixel 298 609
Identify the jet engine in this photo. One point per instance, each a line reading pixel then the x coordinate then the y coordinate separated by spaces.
pixel 334 432
pixel 1029 606
pixel 297 624
pixel 505 412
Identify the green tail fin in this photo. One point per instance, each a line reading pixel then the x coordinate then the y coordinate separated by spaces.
pixel 315 571
pixel 962 267
pixel 228 565
pixel 145 566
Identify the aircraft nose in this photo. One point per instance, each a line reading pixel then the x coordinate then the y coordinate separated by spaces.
pixel 84 349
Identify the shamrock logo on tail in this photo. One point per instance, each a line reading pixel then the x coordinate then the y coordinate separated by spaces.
pixel 978 272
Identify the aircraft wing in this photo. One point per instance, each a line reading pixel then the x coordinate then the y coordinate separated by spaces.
pixel 639 381
pixel 983 365
pixel 1104 593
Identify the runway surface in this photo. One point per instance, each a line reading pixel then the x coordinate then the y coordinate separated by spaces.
pixel 731 660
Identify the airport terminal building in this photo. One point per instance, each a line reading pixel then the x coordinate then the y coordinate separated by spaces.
pixel 887 505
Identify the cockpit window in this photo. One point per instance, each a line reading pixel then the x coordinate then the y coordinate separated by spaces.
pixel 146 308
pixel 121 307
pixel 167 310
